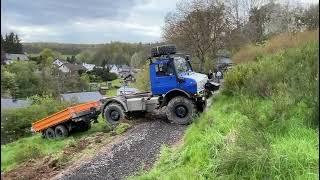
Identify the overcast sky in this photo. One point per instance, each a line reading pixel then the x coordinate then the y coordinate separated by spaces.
pixel 86 21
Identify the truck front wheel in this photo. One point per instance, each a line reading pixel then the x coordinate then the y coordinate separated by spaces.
pixel 180 110
pixel 113 113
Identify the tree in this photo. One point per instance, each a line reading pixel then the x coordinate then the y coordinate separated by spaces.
pixel 198 27
pixel 73 59
pixel 84 56
pixel 47 57
pixel 68 59
pixel 3 54
pixel 12 44
pixel 136 59
pixel 26 80
pixel 311 17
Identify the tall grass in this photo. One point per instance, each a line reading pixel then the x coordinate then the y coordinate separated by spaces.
pixel 277 43
pixel 263 126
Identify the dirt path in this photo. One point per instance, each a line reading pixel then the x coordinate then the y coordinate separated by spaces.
pixel 137 149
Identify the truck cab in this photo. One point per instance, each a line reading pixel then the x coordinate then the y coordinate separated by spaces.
pixel 174 72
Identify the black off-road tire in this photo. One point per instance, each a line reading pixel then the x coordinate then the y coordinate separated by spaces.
pixel 177 106
pixel 163 50
pixel 61 131
pixel 114 113
pixel 49 133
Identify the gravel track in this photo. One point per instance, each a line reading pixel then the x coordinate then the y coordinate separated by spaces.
pixel 135 150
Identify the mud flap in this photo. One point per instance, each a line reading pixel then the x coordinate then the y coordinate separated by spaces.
pixel 212 86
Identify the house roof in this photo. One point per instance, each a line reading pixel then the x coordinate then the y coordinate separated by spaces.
pixel 7 103
pixel 125 66
pixel 22 57
pixel 81 97
pixel 61 60
pixel 88 66
pixel 74 67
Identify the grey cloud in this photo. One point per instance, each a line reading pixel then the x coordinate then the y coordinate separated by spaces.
pixel 43 12
pixel 85 21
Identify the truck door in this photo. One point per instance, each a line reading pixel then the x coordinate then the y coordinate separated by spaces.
pixel 165 79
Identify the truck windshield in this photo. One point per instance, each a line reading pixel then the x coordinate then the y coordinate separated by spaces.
pixel 181 65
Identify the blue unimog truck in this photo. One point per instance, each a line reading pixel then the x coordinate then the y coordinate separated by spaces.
pixel 174 84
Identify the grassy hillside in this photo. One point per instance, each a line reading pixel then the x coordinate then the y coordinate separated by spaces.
pixel 25 151
pixel 264 125
pixel 276 44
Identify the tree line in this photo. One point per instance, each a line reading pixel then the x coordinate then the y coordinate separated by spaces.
pixel 110 53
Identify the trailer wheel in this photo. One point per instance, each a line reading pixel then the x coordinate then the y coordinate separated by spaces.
pixel 180 110
pixel 61 131
pixel 113 113
pixel 49 133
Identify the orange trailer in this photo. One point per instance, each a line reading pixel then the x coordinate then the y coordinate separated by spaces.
pixel 60 124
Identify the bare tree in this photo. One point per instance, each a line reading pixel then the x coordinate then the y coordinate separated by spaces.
pixel 311 17
pixel 197 26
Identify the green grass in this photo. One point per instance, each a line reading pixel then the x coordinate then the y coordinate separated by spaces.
pixel 222 145
pixel 264 125
pixel 35 147
pixel 23 149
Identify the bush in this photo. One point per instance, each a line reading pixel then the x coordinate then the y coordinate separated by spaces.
pixel 102 73
pixel 16 123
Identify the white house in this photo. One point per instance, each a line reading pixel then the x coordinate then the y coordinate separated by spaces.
pixel 63 68
pixel 67 67
pixel 58 62
pixel 114 69
pixel 89 67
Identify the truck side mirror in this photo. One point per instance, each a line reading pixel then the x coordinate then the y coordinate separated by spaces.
pixel 187 57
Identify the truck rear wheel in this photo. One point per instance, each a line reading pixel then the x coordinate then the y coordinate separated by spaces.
pixel 61 131
pixel 49 133
pixel 114 113
pixel 180 110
